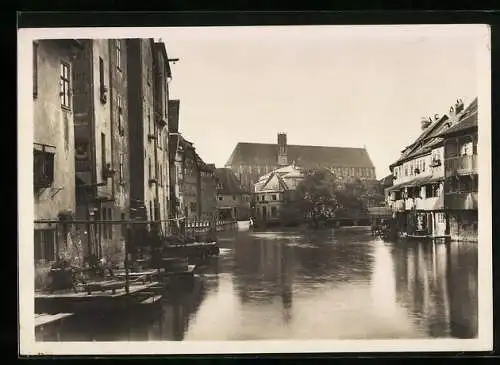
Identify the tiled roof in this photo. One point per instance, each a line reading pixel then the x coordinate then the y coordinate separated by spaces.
pixel 468 121
pixel 387 181
pixel 432 136
pixel 418 181
pixel 308 156
pixel 229 181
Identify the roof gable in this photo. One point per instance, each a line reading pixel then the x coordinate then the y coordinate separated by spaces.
pixel 228 181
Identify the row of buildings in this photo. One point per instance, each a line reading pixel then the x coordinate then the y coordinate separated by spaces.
pixel 107 147
pixel 435 180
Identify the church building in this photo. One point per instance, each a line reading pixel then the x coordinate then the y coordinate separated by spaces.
pixel 249 161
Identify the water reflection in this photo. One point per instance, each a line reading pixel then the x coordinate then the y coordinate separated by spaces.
pixel 336 284
pixel 437 283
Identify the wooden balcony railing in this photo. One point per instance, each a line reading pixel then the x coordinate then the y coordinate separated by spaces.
pixel 463 165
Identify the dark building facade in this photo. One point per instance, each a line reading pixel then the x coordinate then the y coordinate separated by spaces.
pixel 249 161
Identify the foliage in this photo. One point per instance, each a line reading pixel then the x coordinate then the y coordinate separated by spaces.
pixel 321 195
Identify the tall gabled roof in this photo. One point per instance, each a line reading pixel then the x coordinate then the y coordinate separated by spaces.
pixel 246 153
pixel 433 135
pixel 228 181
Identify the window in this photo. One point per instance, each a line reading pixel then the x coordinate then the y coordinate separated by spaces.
pixel 192 206
pixel 35 70
pixel 149 168
pixel 102 86
pixel 103 154
pixel 118 52
pixel 121 168
pixel 65 85
pixel 43 168
pixel 273 211
pixel 120 115
pixel 220 197
pixel 149 122
pixel 274 196
pixel 45 244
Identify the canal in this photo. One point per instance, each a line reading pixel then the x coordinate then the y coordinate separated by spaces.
pixel 288 284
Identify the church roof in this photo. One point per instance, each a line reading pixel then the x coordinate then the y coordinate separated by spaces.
pixel 307 156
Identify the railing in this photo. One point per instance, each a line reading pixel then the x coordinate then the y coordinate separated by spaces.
pixel 433 203
pixel 461 200
pixel 398 205
pixel 462 165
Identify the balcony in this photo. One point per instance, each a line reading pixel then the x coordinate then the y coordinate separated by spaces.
pixel 461 200
pixel 398 205
pixel 463 165
pixel 430 204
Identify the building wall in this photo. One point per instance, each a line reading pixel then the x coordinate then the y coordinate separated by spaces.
pixel 136 137
pixel 406 171
pixel 264 208
pixel 118 99
pixel 142 124
pixel 54 126
pixel 250 174
pixel 238 204
pixel 161 118
pixel 208 190
pixel 148 125
pixel 463 225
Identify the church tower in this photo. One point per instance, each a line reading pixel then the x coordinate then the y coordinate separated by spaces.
pixel 282 150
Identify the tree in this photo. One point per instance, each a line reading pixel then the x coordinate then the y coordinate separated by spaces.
pixel 316 195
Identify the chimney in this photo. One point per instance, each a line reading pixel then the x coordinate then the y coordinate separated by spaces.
pixel 282 150
pixel 459 106
pixel 425 123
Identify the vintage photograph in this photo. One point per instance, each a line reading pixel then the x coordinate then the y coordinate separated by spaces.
pixel 230 188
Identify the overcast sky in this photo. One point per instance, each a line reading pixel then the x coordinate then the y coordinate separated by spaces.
pixel 333 86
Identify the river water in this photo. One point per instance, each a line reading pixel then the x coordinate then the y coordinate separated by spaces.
pixel 288 284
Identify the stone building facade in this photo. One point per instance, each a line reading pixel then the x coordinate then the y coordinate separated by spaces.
pixel 101 146
pixel 162 76
pixel 53 150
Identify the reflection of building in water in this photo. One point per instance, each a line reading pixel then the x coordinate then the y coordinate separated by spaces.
pixel 177 311
pixel 428 283
pixel 464 296
pixel 264 272
pixel 382 283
